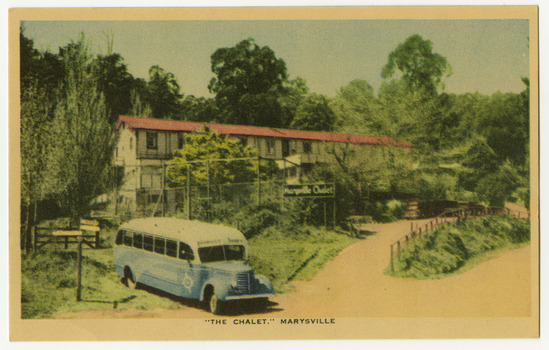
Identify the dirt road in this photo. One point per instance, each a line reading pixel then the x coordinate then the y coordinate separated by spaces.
pixel 354 285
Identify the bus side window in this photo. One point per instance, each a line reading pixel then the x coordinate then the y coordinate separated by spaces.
pixel 148 243
pixel 138 240
pixel 171 248
pixel 185 252
pixel 119 237
pixel 160 245
pixel 128 238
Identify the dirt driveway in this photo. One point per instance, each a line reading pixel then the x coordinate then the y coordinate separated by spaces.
pixel 354 285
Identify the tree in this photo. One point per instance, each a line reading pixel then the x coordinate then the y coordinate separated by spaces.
pixel 200 109
pixel 115 83
pixel 357 109
pixel 314 113
pixel 204 145
pixel 82 142
pixel 295 92
pixel 421 69
pixel 505 123
pixel 248 81
pixel 38 82
pixel 163 94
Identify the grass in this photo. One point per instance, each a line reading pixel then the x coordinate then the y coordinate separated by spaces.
pixel 285 257
pixel 458 246
pixel 49 285
pixel 49 275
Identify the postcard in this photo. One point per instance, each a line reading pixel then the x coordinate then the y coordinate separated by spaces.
pixel 259 173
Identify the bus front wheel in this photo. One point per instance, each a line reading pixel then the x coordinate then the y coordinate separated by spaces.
pixel 216 305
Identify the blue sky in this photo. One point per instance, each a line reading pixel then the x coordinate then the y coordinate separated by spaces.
pixel 486 55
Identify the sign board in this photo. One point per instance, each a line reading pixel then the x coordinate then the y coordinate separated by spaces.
pixel 89 225
pixel 309 191
pixel 67 233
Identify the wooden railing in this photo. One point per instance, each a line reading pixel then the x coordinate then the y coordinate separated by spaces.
pixel 450 215
pixel 67 235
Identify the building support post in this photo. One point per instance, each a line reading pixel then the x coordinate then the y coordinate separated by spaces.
pixel 258 181
pixel 189 215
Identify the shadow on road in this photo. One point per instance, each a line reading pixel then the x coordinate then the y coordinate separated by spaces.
pixel 236 308
pixel 115 302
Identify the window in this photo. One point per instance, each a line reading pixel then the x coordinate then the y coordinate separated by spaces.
pixel 221 253
pixel 185 252
pixel 171 248
pixel 270 146
pixel 307 147
pixel 131 142
pixel 148 243
pixel 160 245
pixel 152 140
pixel 138 240
pixel 128 239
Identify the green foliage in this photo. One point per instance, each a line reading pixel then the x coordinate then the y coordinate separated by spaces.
pixel 421 69
pixel 297 255
pixel 81 141
pixel 449 247
pixel 295 91
pixel 248 81
pixel 49 285
pixel 314 113
pixel 115 83
pixel 200 109
pixel 358 110
pixel 209 145
pixel 496 188
pixel 163 94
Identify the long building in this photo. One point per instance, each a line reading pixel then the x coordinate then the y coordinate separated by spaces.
pixel 145 144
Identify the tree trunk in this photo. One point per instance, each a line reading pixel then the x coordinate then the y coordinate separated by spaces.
pixel 28 233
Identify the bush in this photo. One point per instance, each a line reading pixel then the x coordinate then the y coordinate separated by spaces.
pixel 447 248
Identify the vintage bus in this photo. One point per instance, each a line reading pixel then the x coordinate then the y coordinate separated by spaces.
pixel 190 259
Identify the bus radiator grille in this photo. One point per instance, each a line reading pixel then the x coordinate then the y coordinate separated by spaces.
pixel 244 282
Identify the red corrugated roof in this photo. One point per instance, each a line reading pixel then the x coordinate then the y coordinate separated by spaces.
pixel 176 125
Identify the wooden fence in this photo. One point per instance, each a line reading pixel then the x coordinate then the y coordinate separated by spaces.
pixel 67 235
pixel 447 216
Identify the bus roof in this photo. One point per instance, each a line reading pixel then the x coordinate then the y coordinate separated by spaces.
pixel 187 231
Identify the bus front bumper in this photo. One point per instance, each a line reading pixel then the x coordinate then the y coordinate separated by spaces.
pixel 248 296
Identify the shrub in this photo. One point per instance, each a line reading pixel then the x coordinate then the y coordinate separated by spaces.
pixel 447 248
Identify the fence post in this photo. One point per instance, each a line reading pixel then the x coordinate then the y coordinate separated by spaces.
pixel 79 271
pixel 398 249
pixel 97 240
pixel 392 264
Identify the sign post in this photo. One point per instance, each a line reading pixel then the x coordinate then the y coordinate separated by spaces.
pixel 79 271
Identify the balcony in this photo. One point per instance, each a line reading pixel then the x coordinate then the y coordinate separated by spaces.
pixel 154 155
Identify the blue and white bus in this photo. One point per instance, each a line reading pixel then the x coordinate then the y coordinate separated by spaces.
pixel 190 259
